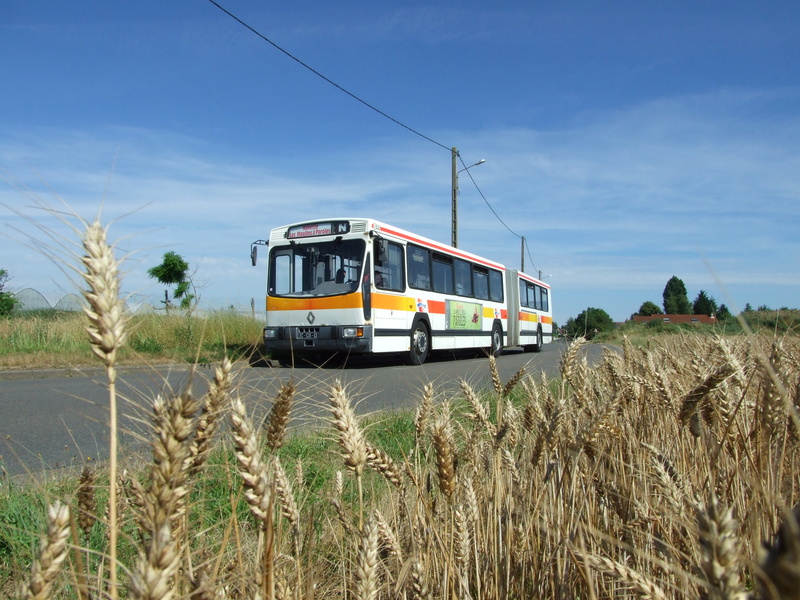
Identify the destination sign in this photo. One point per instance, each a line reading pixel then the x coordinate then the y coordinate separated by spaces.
pixel 316 229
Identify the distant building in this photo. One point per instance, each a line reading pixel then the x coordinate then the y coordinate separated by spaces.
pixel 678 319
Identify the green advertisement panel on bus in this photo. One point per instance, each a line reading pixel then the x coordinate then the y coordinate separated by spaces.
pixel 464 315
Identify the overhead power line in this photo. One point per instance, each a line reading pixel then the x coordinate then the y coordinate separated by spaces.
pixel 365 103
pixel 327 79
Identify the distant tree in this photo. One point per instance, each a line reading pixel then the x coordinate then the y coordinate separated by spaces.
pixel 764 308
pixel 8 302
pixel 748 307
pixel 723 313
pixel 704 304
pixel 676 301
pixel 648 309
pixel 174 270
pixel 589 323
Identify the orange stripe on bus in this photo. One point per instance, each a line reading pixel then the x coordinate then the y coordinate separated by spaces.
pixel 387 302
pixel 346 301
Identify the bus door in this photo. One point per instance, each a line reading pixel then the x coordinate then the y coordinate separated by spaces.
pixel 512 302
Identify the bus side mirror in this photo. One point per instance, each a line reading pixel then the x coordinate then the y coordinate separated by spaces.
pixel 254 250
pixel 381 250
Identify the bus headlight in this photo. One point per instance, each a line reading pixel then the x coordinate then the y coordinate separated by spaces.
pixel 270 334
pixel 352 332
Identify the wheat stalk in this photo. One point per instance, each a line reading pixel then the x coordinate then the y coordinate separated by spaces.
pixel 107 333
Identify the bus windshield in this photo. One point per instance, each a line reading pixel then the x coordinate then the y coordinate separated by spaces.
pixel 315 268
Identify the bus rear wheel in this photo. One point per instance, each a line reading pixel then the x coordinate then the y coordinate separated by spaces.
pixel 537 347
pixel 497 340
pixel 420 344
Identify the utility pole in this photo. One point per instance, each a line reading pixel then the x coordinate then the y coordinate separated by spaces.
pixel 522 256
pixel 454 231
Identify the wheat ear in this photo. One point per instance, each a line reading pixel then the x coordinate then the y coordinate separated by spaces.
pixel 645 588
pixel 53 551
pixel 258 487
pixel 214 403
pixel 780 566
pixel 445 458
pixel 164 500
pixel 278 419
pixel 381 462
pixel 479 411
pixel 87 501
pixel 351 439
pixel 366 566
pixel 719 562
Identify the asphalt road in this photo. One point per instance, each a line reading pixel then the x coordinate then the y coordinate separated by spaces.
pixel 50 421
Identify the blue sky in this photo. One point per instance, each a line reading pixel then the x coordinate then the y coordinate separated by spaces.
pixel 627 141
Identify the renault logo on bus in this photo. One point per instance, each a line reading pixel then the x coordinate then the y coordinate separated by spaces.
pixel 310 318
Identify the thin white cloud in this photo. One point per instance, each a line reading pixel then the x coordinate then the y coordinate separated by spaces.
pixel 618 201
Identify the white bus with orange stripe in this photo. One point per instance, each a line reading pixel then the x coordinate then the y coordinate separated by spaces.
pixel 356 285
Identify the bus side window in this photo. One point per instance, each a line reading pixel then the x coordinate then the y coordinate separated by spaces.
pixel 480 283
pixel 495 286
pixel 442 274
pixel 463 272
pixel 523 293
pixel 545 300
pixel 419 267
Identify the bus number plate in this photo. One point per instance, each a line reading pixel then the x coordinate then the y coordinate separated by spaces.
pixel 303 334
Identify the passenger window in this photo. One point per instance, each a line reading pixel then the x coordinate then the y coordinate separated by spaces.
pixel 389 268
pixel 523 293
pixel 495 286
pixel 463 271
pixel 419 268
pixel 545 300
pixel 442 274
pixel 480 279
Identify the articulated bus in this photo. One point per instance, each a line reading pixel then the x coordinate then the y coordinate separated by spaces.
pixel 359 286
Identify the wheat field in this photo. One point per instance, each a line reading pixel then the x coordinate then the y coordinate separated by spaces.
pixel 668 471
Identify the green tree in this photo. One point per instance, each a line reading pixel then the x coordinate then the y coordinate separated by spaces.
pixel 704 304
pixel 589 323
pixel 648 309
pixel 174 270
pixel 723 313
pixel 8 302
pixel 676 300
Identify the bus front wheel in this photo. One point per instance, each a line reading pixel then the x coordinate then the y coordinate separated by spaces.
pixel 420 344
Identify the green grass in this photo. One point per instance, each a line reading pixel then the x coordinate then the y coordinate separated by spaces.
pixel 51 338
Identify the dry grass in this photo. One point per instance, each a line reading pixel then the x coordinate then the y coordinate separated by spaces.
pixel 662 472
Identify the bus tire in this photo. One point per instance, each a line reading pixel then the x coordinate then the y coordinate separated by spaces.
pixel 497 340
pixel 420 345
pixel 537 347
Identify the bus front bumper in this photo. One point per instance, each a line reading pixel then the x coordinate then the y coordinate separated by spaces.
pixel 326 338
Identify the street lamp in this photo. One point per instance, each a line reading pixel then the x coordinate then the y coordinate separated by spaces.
pixel 456 171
